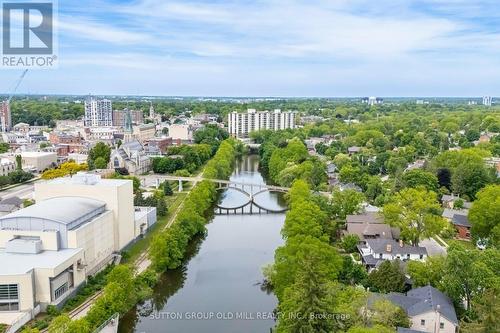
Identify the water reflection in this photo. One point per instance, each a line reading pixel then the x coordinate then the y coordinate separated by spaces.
pixel 222 274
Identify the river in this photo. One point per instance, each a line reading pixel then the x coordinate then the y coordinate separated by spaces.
pixel 219 289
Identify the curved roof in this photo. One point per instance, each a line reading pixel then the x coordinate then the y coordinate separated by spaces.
pixel 70 211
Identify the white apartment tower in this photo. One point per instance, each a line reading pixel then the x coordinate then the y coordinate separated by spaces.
pixel 240 125
pixel 487 100
pixel 98 112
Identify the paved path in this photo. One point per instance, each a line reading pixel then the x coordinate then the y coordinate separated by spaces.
pixel 24 191
pixel 433 247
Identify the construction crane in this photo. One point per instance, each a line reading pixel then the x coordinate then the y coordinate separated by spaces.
pixel 5 116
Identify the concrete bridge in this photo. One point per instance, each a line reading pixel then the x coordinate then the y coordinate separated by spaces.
pixel 250 190
pixel 243 187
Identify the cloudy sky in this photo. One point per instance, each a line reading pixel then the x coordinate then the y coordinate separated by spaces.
pixel 273 48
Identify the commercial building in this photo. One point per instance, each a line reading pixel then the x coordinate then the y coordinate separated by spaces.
pixel 48 250
pixel 240 125
pixel 372 100
pixel 5 116
pixel 487 100
pixel 36 161
pixel 181 132
pixel 98 112
pixel 144 132
pixel 119 116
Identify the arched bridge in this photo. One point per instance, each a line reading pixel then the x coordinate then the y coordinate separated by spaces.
pixel 246 188
pixel 253 207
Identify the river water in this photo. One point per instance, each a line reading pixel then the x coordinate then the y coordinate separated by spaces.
pixel 219 289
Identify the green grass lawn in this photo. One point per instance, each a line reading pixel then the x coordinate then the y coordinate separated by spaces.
pixel 464 243
pixel 142 244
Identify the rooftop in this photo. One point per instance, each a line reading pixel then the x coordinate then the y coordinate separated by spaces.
pixel 16 263
pixel 461 220
pixel 372 218
pixel 84 178
pixel 379 245
pixel 71 211
pixel 422 300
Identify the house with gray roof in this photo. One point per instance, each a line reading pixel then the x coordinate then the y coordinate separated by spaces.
pixel 380 249
pixel 429 310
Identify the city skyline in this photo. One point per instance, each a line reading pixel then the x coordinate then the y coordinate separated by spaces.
pixel 272 48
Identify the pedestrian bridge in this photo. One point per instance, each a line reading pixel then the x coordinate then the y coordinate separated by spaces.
pixel 250 190
pixel 251 206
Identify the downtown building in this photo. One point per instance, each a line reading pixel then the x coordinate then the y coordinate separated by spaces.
pixel 240 125
pixel 98 112
pixel 5 116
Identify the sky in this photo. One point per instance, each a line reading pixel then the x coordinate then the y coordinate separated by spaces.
pixel 293 48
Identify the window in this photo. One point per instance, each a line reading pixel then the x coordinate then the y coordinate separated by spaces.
pixel 441 325
pixel 9 297
pixel 61 290
pixel 422 322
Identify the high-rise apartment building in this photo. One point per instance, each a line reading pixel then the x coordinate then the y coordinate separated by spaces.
pixel 487 100
pixel 5 117
pixel 240 125
pixel 98 112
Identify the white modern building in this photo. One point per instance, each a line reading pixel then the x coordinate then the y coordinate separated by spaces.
pixel 487 100
pixel 372 100
pixel 240 125
pixel 76 227
pixel 183 132
pixel 98 112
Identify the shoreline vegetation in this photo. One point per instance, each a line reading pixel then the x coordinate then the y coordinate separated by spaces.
pixel 121 287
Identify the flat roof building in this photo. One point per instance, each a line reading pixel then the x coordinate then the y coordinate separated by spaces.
pixel 76 227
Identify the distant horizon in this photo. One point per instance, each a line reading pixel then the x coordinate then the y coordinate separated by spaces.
pixel 247 96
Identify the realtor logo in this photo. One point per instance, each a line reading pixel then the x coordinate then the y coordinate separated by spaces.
pixel 28 34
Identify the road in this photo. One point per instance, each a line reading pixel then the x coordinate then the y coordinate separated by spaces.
pixel 24 191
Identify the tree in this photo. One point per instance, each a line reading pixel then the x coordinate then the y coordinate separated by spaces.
pixel 100 163
pixel 416 213
pixel 305 303
pixel 167 189
pixel 417 177
pixel 428 272
pixel 387 277
pixel 99 150
pixel 487 315
pixel 485 214
pixel 346 202
pixel 467 274
pixel 19 162
pixel 444 177
pixel 352 273
pixel 350 242
pixel 387 314
pixel 289 258
pixel 4 147
pixel 161 206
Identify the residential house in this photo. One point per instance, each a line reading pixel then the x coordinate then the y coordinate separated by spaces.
pixel 380 249
pixel 429 310
pixel 448 201
pixel 353 150
pixel 458 217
